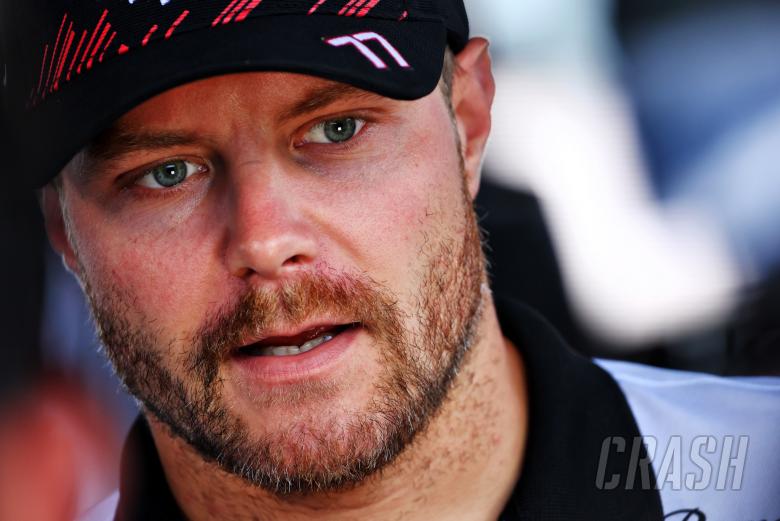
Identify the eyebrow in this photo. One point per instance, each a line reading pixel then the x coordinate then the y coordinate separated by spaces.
pixel 116 142
pixel 321 97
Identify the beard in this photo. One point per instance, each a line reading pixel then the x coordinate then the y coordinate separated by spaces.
pixel 418 365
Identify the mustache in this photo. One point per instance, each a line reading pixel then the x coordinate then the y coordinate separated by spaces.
pixel 355 299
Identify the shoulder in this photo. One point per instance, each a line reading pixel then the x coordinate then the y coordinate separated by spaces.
pixel 708 438
pixel 688 387
pixel 660 398
pixel 103 511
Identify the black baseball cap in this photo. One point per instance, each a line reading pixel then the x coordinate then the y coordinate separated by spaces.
pixel 72 67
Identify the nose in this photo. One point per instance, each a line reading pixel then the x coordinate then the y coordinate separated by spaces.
pixel 269 236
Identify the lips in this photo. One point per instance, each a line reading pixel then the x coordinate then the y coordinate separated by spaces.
pixel 294 344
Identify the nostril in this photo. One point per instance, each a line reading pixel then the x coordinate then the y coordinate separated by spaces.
pixel 295 259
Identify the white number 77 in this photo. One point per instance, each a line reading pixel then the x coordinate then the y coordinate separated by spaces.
pixel 357 40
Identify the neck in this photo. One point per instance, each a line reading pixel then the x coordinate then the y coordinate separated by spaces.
pixel 462 467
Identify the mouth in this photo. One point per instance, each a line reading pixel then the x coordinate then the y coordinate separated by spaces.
pixel 296 344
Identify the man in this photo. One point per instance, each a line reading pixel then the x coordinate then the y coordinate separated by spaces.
pixel 268 205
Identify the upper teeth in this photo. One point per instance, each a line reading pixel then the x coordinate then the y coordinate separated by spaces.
pixel 295 350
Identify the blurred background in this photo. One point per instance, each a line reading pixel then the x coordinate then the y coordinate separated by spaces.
pixel 630 194
pixel 635 142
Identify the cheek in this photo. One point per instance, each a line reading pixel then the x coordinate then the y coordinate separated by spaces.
pixel 413 196
pixel 161 274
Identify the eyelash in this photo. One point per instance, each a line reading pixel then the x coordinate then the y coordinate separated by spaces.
pixel 368 124
pixel 129 182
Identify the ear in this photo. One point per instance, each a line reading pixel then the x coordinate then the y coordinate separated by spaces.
pixel 473 91
pixel 56 229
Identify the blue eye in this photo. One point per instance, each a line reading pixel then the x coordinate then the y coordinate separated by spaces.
pixel 334 131
pixel 169 174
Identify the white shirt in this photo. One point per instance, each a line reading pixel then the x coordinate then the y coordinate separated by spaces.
pixel 103 511
pixel 714 442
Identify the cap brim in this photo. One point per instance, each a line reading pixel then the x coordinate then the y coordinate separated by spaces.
pixel 77 113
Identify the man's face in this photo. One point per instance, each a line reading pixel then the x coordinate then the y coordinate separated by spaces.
pixel 286 271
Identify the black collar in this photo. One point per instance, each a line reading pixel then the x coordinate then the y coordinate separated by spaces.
pixel 574 407
pixel 144 494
